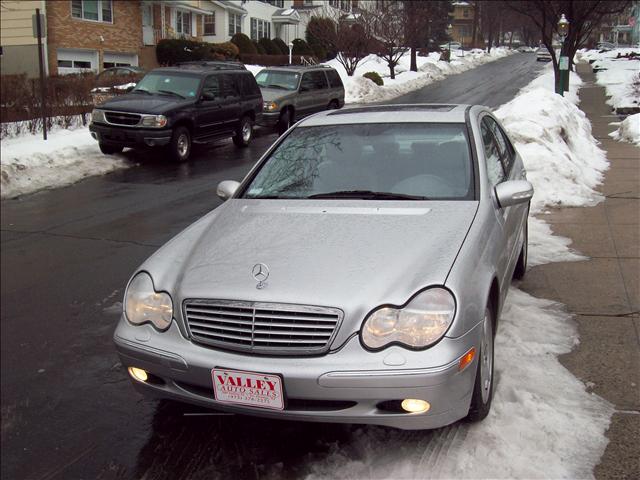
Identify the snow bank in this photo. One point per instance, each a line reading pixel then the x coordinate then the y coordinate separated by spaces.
pixel 543 423
pixel 562 159
pixel 28 163
pixel 618 75
pixel 430 69
pixel 629 130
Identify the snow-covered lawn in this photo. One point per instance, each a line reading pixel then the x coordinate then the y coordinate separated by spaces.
pixel 628 130
pixel 28 163
pixel 618 76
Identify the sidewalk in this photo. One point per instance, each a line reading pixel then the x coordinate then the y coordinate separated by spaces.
pixel 604 291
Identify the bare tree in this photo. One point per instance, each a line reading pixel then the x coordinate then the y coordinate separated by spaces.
pixel 490 15
pixel 385 24
pixel 425 25
pixel 584 16
pixel 342 34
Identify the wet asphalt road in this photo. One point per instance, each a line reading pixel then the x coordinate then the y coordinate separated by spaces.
pixel 68 410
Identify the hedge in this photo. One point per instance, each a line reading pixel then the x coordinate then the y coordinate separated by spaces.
pixel 244 44
pixel 270 60
pixel 300 47
pixel 172 51
pixel 374 77
pixel 284 49
pixel 269 47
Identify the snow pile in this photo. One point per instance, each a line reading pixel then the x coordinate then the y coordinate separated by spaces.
pixel 543 423
pixel 629 130
pixel 616 75
pixel 430 69
pixel 562 159
pixel 28 163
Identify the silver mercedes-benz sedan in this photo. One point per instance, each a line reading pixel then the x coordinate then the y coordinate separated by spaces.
pixel 355 275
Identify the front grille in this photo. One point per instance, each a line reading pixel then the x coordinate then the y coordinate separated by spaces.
pixel 264 328
pixel 121 118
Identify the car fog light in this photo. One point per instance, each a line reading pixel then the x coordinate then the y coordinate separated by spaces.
pixel 413 405
pixel 138 373
pixel 466 359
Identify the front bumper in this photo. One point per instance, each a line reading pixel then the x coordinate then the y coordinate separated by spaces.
pixel 129 137
pixel 345 386
pixel 268 119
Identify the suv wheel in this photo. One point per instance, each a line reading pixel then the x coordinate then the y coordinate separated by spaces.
pixel 244 132
pixel 334 105
pixel 286 119
pixel 109 149
pixel 180 146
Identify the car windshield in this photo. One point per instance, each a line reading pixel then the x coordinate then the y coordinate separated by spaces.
pixel 400 161
pixel 163 83
pixel 278 79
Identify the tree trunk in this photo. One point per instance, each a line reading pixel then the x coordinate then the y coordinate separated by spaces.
pixel 474 30
pixel 392 71
pixel 414 60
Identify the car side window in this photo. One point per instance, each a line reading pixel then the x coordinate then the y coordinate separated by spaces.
pixel 507 153
pixel 231 88
pixel 319 80
pixel 495 170
pixel 334 79
pixel 307 82
pixel 212 86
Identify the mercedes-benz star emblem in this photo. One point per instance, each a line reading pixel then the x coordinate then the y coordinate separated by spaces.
pixel 260 272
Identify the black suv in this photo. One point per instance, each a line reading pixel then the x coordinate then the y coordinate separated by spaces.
pixel 195 102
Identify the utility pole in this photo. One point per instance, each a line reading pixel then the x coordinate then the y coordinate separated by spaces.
pixel 43 111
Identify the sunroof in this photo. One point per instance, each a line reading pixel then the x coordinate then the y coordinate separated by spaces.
pixel 395 108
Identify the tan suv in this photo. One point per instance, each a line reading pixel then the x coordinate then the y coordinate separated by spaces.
pixel 290 93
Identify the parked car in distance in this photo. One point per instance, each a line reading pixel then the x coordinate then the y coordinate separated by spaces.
pixel 356 275
pixel 114 76
pixel 175 107
pixel 452 45
pixel 526 49
pixel 543 55
pixel 606 46
pixel 291 93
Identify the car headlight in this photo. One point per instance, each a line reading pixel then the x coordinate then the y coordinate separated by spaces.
pixel 422 322
pixel 154 121
pixel 269 106
pixel 97 116
pixel 142 304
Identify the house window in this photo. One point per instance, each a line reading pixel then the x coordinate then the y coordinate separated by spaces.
pixel 276 3
pixel 344 5
pixel 183 22
pixel 334 3
pixel 93 10
pixel 210 24
pixel 235 24
pixel 308 2
pixel 260 29
pixel 465 13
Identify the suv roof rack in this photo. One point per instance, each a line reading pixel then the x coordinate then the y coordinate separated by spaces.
pixel 215 65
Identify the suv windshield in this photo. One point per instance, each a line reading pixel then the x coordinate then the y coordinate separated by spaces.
pixel 167 83
pixel 415 161
pixel 278 79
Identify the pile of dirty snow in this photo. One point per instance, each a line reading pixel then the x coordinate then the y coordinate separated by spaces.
pixel 543 423
pixel 28 163
pixel 562 159
pixel 616 74
pixel 629 130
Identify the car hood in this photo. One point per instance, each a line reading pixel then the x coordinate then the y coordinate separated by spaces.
pixel 143 103
pixel 275 94
pixel 353 255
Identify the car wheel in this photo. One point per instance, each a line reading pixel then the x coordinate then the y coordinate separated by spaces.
pixel 286 119
pixel 334 105
pixel 483 386
pixel 180 145
pixel 521 266
pixel 109 149
pixel 244 132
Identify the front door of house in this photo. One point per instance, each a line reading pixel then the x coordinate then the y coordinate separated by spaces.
pixel 147 24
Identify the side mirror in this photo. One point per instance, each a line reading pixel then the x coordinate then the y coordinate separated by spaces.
pixel 513 192
pixel 208 96
pixel 227 188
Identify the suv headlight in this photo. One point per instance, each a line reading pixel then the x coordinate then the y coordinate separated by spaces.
pixel 154 121
pixel 142 304
pixel 421 323
pixel 97 116
pixel 269 106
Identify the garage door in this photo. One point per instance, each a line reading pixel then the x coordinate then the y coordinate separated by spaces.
pixel 119 60
pixel 76 61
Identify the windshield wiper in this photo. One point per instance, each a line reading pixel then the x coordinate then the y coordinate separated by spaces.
pixel 171 93
pixel 367 195
pixel 273 85
pixel 141 90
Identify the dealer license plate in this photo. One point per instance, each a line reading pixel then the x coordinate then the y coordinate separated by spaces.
pixel 248 388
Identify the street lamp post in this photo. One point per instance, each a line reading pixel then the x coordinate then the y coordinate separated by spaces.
pixel 290 51
pixel 563 64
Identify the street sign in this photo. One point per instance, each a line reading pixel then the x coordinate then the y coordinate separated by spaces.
pixel 34 25
pixel 564 63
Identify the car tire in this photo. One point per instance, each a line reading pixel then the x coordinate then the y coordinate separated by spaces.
pixel 521 265
pixel 285 121
pixel 109 149
pixel 483 385
pixel 244 132
pixel 334 105
pixel 180 145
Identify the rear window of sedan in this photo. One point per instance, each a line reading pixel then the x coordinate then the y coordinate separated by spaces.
pixel 421 161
